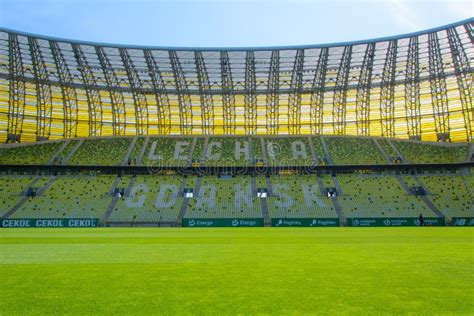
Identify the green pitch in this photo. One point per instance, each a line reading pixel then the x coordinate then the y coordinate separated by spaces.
pixel 227 271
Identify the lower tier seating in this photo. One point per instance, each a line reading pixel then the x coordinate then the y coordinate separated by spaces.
pixel 151 199
pixel 298 197
pixel 224 198
pixel 378 196
pixel 70 197
pixel 451 194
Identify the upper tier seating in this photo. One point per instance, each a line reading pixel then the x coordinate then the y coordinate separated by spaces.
pixel 106 151
pixel 425 153
pixel 286 151
pixel 29 154
pixel 298 197
pixel 224 198
pixel 228 151
pixel 167 151
pixel 354 151
pixel 378 196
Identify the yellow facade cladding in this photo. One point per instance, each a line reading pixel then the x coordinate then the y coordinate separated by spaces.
pixel 427 95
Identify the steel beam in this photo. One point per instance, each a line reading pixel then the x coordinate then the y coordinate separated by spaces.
pixel 412 90
pixel 68 92
pixel 464 79
pixel 340 94
pixel 439 97
pixel 363 91
pixel 273 96
pixel 184 98
pixel 250 95
pixel 387 91
pixel 44 100
pixel 207 104
pixel 16 99
pixel 317 92
pixel 139 98
pixel 161 96
pixel 94 101
pixel 228 98
pixel 119 120
pixel 294 101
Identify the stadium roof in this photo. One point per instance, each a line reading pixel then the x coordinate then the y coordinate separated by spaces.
pixel 416 85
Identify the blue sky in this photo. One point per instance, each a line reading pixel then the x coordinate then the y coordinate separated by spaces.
pixel 228 23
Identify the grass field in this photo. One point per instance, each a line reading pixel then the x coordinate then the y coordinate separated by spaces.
pixel 229 271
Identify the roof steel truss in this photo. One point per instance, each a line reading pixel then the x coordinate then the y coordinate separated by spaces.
pixel 68 92
pixel 16 99
pixel 94 102
pixel 272 94
pixel 294 102
pixel 139 98
pixel 161 97
pixel 184 98
pixel 464 79
pixel 116 96
pixel 412 91
pixel 363 91
pixel 44 101
pixel 317 95
pixel 250 99
pixel 439 97
pixel 340 94
pixel 207 104
pixel 228 98
pixel 387 91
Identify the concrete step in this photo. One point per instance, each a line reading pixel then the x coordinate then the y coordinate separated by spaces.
pixel 326 151
pixel 142 151
pixel 387 158
pixel 60 150
pixel 15 208
pixel 337 207
pixel 129 152
pixel 399 154
pixel 109 210
pixel 73 151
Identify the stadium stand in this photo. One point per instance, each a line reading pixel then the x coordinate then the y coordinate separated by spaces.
pixel 135 153
pixel 11 189
pixel 450 194
pixel 298 197
pixel 29 154
pixel 107 151
pixel 354 151
pixel 225 197
pixel 66 150
pixel 286 151
pixel 167 151
pixel 152 199
pixel 403 101
pixel 378 196
pixel 69 197
pixel 228 151
pixel 431 153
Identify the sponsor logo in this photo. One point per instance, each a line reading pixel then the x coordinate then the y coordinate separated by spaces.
pixel 355 222
pixel 387 222
pixel 235 222
pixel 192 223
